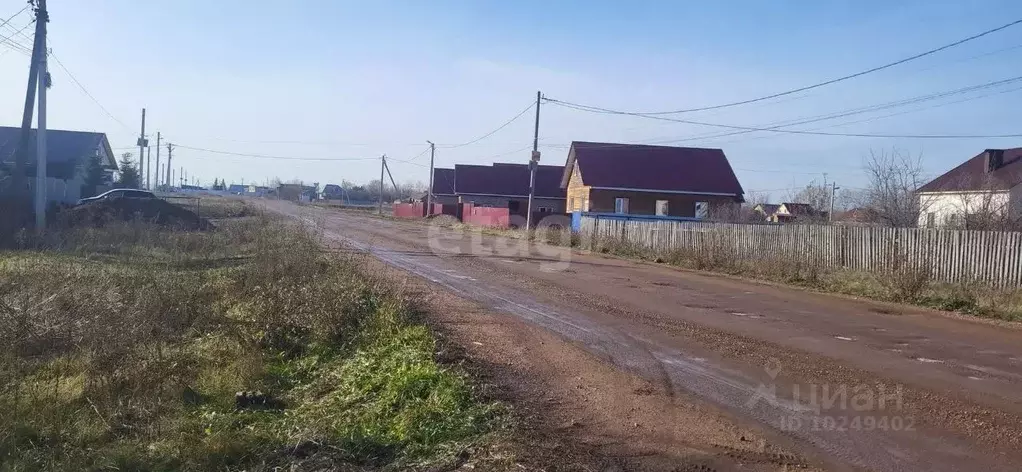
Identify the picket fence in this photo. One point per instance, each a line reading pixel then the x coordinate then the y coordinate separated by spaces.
pixel 991 257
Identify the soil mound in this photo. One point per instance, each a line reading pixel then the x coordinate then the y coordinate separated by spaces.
pixel 156 211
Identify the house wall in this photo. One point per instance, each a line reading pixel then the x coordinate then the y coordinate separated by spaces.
pixel 577 192
pixel 644 203
pixel 947 206
pixel 555 204
pixel 445 199
pixel 59 191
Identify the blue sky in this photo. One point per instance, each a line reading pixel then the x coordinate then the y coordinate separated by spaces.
pixel 340 79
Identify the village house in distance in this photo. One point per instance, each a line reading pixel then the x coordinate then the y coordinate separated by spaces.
pixel 640 179
pixel 986 187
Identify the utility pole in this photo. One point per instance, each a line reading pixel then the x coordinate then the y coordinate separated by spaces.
pixel 148 166
pixel 38 47
pixel 383 164
pixel 40 137
pixel 533 163
pixel 170 170
pixel 391 176
pixel 181 177
pixel 833 192
pixel 156 177
pixel 142 144
pixel 429 193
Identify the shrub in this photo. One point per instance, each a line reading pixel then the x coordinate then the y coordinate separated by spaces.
pixel 124 347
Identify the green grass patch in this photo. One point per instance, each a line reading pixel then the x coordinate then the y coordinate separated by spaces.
pixel 246 348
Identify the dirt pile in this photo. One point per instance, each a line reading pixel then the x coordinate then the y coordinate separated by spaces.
pixel 156 211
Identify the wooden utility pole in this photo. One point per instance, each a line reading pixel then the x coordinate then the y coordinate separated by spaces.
pixel 156 176
pixel 21 155
pixel 142 144
pixel 40 138
pixel 429 192
pixel 383 164
pixel 533 163
pixel 148 166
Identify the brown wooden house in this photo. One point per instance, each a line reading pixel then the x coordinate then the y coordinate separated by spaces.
pixel 649 180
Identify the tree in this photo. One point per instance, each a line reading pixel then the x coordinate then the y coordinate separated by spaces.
pixel 95 176
pixel 815 194
pixel 893 179
pixel 128 177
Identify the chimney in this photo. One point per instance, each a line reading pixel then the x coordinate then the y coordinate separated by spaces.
pixel 994 159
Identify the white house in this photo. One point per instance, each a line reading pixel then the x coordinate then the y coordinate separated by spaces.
pixel 67 160
pixel 988 186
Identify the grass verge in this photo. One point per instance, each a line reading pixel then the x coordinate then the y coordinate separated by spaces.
pixel 899 284
pixel 132 347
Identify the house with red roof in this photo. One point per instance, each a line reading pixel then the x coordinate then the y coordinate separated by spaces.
pixel 500 185
pixel 984 188
pixel 641 179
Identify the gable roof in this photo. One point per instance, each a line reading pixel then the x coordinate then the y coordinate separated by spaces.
pixel 972 175
pixel 652 168
pixel 507 179
pixel 61 146
pixel 799 208
pixel 443 181
pixel 768 208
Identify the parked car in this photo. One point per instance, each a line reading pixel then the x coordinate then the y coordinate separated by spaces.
pixel 119 193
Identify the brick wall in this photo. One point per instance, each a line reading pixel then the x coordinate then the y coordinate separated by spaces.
pixel 555 204
pixel 643 203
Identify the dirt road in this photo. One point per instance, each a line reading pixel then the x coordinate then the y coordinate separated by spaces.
pixel 851 384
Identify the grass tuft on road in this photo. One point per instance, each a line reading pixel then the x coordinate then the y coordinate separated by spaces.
pixel 132 347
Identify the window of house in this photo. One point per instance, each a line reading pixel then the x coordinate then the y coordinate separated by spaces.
pixel 546 210
pixel 702 209
pixel 620 205
pixel 571 204
pixel 931 219
pixel 661 208
pixel 585 204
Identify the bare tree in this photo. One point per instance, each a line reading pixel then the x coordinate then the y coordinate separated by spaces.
pixel 893 179
pixel 815 194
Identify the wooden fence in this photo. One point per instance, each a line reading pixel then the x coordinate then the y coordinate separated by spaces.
pixel 951 255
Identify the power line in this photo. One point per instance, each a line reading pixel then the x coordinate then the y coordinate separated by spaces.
pixel 867 109
pixel 840 79
pixel 593 109
pixel 84 90
pixel 491 133
pixel 9 40
pixel 391 159
pixel 263 156
pixel 882 116
pixel 424 151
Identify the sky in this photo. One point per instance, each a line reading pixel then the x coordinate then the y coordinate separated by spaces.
pixel 347 81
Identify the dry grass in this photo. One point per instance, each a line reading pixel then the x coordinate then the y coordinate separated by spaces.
pixel 901 283
pixel 124 348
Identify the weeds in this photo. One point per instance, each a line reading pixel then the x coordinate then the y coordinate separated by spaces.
pixel 125 347
pixel 903 282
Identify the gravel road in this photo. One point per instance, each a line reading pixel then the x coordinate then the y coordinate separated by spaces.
pixel 852 384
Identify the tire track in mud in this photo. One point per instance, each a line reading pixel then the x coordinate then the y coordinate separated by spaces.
pixel 726 388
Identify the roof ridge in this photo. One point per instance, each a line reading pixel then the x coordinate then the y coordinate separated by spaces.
pixel 623 145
